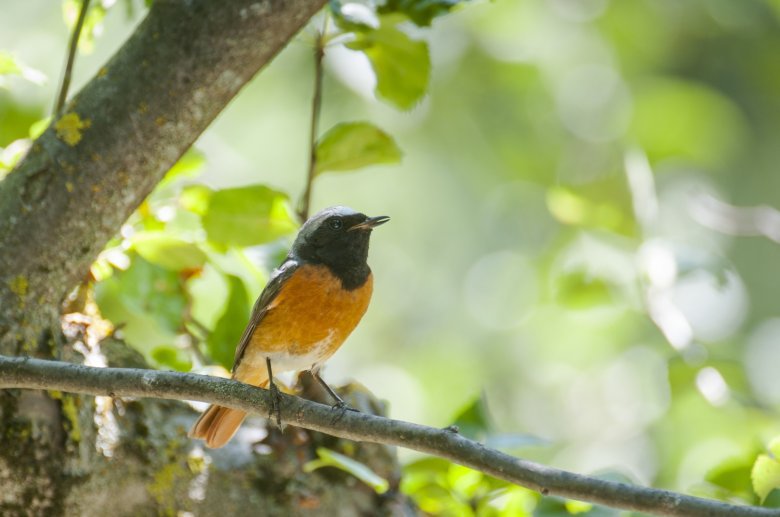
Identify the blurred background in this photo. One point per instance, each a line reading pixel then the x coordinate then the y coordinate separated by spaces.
pixel 584 240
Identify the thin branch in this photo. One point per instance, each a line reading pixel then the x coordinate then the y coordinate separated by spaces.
pixel 19 372
pixel 74 41
pixel 316 108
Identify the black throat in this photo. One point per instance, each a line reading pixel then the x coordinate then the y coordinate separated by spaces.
pixel 347 259
pixel 351 276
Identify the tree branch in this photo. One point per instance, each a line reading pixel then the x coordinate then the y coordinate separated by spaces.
pixel 74 41
pixel 17 372
pixel 115 139
pixel 316 108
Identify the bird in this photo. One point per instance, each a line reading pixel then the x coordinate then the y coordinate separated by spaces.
pixel 311 304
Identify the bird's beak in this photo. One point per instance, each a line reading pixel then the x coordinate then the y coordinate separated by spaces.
pixel 370 223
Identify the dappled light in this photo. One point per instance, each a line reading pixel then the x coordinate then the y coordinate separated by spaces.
pixel 583 260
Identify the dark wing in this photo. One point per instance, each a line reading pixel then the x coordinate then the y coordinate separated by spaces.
pixel 260 309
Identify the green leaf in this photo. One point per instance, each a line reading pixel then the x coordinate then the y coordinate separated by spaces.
pixel 473 421
pixel 10 66
pixel 227 332
pixel 37 128
pixel 733 475
pixel 329 458
pixel 765 475
pixel 679 119
pixel 421 12
pixel 188 166
pixel 247 216
pixel 195 198
pixel 352 145
pixel 766 471
pixel 169 252
pixel 580 290
pixel 147 300
pixel 171 357
pixel 402 65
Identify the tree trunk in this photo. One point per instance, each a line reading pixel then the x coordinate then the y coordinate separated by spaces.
pixel 83 177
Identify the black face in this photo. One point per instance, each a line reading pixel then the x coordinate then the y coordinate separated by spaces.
pixel 338 238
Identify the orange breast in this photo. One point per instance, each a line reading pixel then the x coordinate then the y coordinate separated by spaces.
pixel 311 316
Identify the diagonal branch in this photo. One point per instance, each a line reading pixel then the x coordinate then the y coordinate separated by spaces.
pixel 29 373
pixel 114 140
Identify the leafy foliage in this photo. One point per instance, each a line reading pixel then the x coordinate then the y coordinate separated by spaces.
pixel 247 216
pixel 223 339
pixel 353 145
pixel 579 137
pixel 421 12
pixel 402 65
pixel 329 458
pixel 766 471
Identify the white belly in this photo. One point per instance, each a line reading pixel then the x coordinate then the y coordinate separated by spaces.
pixel 283 361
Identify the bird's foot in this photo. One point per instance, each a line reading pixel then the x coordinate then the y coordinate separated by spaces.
pixel 340 409
pixel 276 403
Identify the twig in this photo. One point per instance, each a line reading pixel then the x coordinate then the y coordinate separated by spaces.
pixel 19 372
pixel 74 41
pixel 316 107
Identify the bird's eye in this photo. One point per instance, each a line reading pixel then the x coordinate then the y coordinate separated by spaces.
pixel 336 223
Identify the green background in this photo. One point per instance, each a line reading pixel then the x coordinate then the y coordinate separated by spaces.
pixel 582 234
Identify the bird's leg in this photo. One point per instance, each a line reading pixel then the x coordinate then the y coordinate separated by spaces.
pixel 276 399
pixel 340 405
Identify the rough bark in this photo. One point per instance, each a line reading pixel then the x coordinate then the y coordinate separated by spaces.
pixel 102 155
pixel 113 142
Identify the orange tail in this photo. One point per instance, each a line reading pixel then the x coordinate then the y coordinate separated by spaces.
pixel 218 424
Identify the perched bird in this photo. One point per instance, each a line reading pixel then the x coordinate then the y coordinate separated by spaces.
pixel 313 301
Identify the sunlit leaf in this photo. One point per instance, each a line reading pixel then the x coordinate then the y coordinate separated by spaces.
pixel 402 65
pixel 733 475
pixel 766 471
pixel 329 458
pixel 687 120
pixel 195 198
pixel 11 66
pixel 572 208
pixel 208 293
pixel 147 301
pixel 172 357
pixel 577 507
pixel 188 166
pixel 464 481
pixel 352 145
pixel 247 216
pixel 167 251
pixel 578 290
pixel 421 12
pixel 8 64
pixel 223 340
pixel 37 128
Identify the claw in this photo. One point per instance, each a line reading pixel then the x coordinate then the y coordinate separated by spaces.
pixel 340 409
